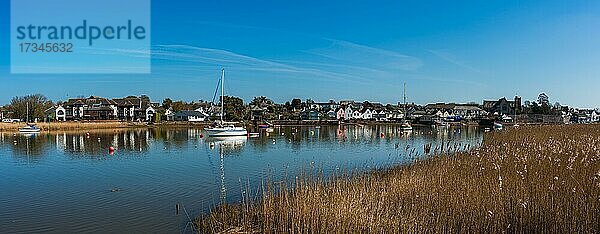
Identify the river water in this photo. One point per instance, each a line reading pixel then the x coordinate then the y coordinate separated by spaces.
pixel 69 182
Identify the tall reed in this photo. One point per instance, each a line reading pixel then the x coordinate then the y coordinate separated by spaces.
pixel 528 179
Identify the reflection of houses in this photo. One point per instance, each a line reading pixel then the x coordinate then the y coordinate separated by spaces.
pixel 503 106
pixel 190 116
pixel 98 108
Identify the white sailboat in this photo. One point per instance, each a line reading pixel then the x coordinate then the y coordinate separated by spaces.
pixel 29 128
pixel 224 129
pixel 405 126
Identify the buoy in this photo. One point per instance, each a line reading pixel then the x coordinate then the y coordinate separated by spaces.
pixel 382 136
pixel 87 133
pixel 111 150
pixel 201 135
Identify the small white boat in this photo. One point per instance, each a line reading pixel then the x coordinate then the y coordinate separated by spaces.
pixel 226 131
pixel 30 128
pixel 406 127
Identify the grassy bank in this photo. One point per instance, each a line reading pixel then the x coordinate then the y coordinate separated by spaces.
pixel 530 179
pixel 84 125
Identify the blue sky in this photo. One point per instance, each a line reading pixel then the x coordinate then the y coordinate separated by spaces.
pixel 455 52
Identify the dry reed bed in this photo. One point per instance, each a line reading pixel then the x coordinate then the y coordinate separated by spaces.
pixel 73 125
pixel 530 179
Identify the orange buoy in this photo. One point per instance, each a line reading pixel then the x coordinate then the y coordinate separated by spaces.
pixel 382 136
pixel 201 135
pixel 111 150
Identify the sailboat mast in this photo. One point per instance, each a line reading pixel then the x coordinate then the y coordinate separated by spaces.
pixel 222 93
pixel 405 98
pixel 27 113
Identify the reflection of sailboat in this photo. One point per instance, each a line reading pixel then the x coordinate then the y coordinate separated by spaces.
pixel 221 129
pixel 29 128
pixel 227 143
pixel 222 167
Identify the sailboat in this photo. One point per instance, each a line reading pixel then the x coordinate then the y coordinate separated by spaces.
pixel 224 129
pixel 405 126
pixel 29 128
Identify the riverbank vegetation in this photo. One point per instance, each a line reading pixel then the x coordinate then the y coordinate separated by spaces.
pixel 527 179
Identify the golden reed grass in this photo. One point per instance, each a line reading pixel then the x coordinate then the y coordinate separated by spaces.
pixel 530 179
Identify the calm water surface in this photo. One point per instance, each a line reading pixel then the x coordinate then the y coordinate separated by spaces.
pixel 67 182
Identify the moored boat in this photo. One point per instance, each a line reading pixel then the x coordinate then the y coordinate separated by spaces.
pixel 30 128
pixel 222 130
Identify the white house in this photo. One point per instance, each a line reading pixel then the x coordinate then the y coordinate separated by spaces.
pixel 60 113
pixel 467 111
pixel 596 115
pixel 356 114
pixel 169 114
pixel 349 113
pixel 341 113
pixel 367 114
pixel 149 113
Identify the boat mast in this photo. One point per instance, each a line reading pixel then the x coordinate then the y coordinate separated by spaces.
pixel 404 100
pixel 27 113
pixel 222 93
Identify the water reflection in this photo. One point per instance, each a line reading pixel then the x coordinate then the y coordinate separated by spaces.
pixel 129 142
pixel 156 168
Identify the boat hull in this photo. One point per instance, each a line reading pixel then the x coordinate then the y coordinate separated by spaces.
pixel 29 129
pixel 215 132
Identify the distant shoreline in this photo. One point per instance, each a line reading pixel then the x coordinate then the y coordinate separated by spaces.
pixel 93 125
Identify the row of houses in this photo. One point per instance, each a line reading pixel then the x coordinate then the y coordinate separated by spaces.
pixel 350 110
pixel 582 116
pixel 98 108
pixel 359 111
pixel 141 108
